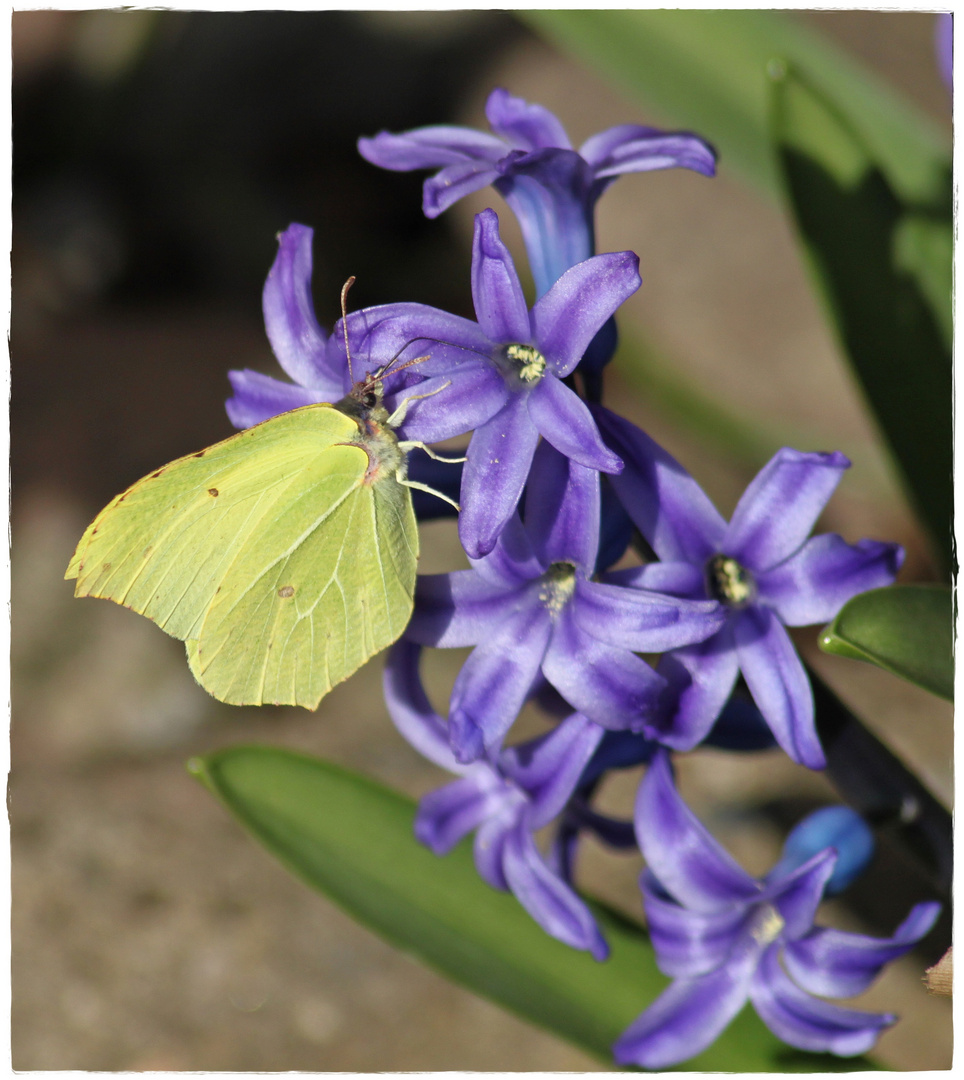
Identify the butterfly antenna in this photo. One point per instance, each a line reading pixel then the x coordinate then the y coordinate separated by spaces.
pixel 344 322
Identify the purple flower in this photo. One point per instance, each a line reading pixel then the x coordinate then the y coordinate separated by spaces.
pixel 944 46
pixel 532 612
pixel 725 937
pixel 502 376
pixel 505 797
pixel 299 343
pixel 763 569
pixel 550 187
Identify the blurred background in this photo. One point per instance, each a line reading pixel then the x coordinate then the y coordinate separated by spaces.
pixel 156 156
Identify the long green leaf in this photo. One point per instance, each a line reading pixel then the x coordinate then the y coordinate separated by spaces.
pixel 905 629
pixel 352 839
pixel 706 70
pixel 877 266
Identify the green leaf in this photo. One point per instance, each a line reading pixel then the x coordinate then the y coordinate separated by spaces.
pixel 705 70
pixel 905 629
pixel 882 269
pixel 352 839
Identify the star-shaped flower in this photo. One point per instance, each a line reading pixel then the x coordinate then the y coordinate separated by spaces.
pixel 551 187
pixel 502 376
pixel 725 937
pixel 761 566
pixel 531 610
pixel 505 797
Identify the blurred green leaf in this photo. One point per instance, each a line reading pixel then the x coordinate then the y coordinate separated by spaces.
pixel 352 839
pixel 905 629
pixel 879 269
pixel 706 70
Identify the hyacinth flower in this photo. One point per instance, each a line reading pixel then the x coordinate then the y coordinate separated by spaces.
pixel 532 611
pixel 503 375
pixel 504 797
pixel 725 937
pixel 761 566
pixel 551 188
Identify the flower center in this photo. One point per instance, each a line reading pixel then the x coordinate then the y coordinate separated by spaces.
pixel 766 924
pixel 558 585
pixel 729 582
pixel 525 362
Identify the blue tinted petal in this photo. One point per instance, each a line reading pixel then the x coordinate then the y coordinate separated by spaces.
pixel 836 827
pixel 526 126
pixel 410 709
pixel 814 584
pixel 446 815
pixel 494 475
pixel 675 578
pixel 688 863
pixel 289 313
pixel 837 963
pixel 778 682
pixel 667 505
pixel 798 895
pixel 500 305
pixel 564 420
pixel 430 147
pixel 780 507
pixel 258 397
pixel 807 1022
pixel 547 898
pixel 612 686
pixel 460 608
pixel 631 148
pixel 685 1019
pixel 562 509
pixel 569 315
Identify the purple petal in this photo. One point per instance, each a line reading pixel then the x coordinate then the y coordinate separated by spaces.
pixel 499 304
pixel 289 313
pixel 562 510
pixel 493 684
pixel 547 898
pixel 548 768
pixel 565 420
pixel 612 686
pixel 667 505
pixel 258 397
pixel 688 863
pixel 446 815
pixel 644 621
pixel 836 963
pixel 496 468
pixel 489 846
pixel 454 182
pixel 410 709
pixel 798 895
pixel 778 682
pixel 460 608
pixel 445 406
pixel 675 578
pixel 529 127
pixel 780 507
pixel 688 943
pixel 807 1022
pixel 814 584
pixel 430 147
pixel 567 318
pixel 550 193
pixel 408 331
pixel 685 1019
pixel 701 678
pixel 631 148
pixel 512 562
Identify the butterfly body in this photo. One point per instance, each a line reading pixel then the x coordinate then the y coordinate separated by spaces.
pixel 284 557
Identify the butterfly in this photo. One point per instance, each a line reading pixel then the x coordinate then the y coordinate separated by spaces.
pixel 284 557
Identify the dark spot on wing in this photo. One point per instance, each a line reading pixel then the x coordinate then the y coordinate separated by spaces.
pixel 106 567
pixel 286 591
pixel 212 491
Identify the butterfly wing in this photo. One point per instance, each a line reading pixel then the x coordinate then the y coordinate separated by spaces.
pixel 261 553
